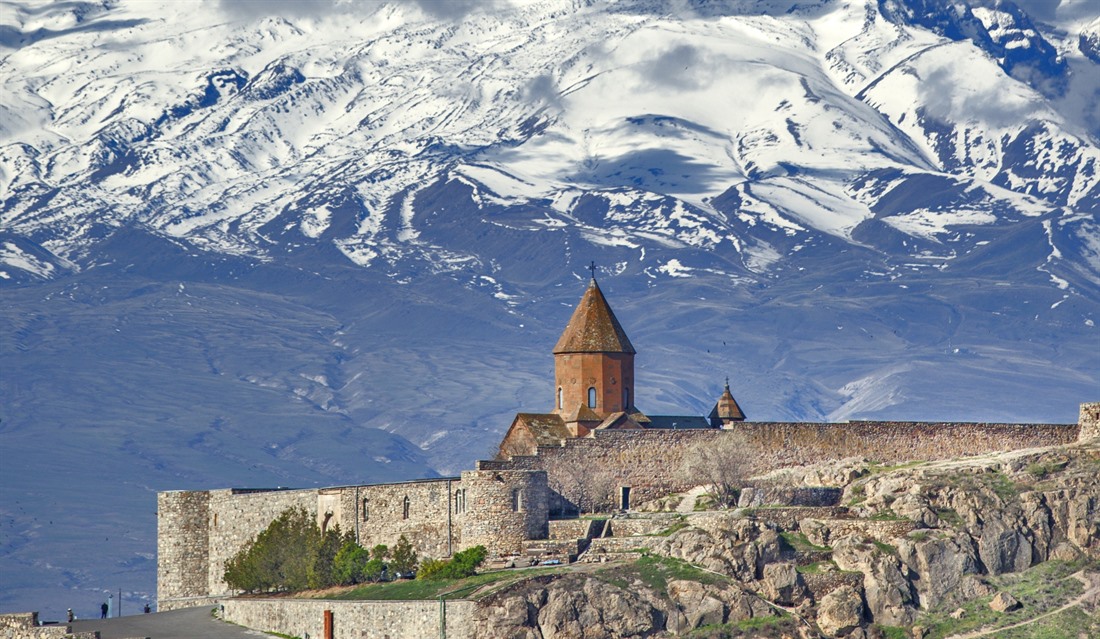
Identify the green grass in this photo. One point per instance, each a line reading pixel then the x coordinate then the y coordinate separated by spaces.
pixel 1068 623
pixel 886 514
pixel 1040 589
pixel 817 568
pixel 950 517
pixel 418 589
pixel 678 525
pixel 655 572
pixel 703 502
pixel 798 541
pixel 1040 470
pixel 1004 487
pixel 893 632
pixel 884 547
pixel 770 626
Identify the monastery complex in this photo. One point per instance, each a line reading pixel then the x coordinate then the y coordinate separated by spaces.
pixel 518 504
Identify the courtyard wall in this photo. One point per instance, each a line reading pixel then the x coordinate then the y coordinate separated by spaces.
pixel 651 461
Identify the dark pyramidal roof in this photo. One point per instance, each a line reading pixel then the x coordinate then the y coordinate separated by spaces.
pixel 593 327
pixel 727 407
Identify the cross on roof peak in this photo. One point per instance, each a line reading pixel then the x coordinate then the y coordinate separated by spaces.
pixel 592 267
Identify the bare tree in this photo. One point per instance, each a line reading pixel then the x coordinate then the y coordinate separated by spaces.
pixel 587 486
pixel 720 465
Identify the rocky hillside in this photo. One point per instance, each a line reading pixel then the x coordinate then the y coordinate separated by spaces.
pixel 925 550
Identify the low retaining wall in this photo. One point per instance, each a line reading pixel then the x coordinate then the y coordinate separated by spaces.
pixel 24 625
pixel 826 531
pixel 821 584
pixel 628 526
pixel 817 497
pixel 570 529
pixel 788 517
pixel 606 545
pixel 355 619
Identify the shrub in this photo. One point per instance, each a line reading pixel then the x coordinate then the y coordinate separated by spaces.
pixel 350 564
pixel 404 559
pixel 463 564
pixel 290 554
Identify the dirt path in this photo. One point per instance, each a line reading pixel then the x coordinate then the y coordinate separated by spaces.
pixel 1092 591
pixel 687 504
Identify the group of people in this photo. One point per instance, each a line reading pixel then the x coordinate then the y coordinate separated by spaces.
pixel 103 609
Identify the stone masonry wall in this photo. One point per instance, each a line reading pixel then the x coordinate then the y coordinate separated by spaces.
pixel 377 514
pixel 1089 421
pixel 504 509
pixel 183 548
pixel 356 619
pixel 24 625
pixel 198 531
pixel 650 461
pixel 236 516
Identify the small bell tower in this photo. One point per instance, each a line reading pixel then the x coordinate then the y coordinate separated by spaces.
pixel 726 412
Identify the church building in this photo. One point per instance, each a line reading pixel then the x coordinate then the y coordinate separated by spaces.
pixel 594 386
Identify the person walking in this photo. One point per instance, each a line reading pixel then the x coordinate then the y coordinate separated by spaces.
pixel 103 611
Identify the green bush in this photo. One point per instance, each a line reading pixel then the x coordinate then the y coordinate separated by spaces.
pixel 463 564
pixel 404 559
pixel 290 554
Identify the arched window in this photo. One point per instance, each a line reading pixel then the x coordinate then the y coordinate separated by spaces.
pixel 592 397
pixel 626 398
pixel 517 500
pixel 561 398
pixel 405 510
pixel 460 501
pixel 366 510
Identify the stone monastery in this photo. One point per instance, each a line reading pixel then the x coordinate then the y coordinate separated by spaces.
pixel 594 435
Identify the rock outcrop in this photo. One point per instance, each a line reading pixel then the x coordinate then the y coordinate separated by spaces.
pixel 586 606
pixel 913 538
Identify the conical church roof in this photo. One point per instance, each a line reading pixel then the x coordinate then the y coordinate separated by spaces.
pixel 727 407
pixel 593 327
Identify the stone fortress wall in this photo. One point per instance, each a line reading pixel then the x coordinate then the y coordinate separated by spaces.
pixel 650 461
pixel 1089 421
pixel 198 531
pixel 504 503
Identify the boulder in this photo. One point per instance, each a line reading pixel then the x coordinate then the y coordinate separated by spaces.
pixel 739 548
pixel 783 584
pixel 886 587
pixel 840 611
pixel 1004 602
pixel 1003 548
pixel 697 603
pixel 939 563
pixel 596 610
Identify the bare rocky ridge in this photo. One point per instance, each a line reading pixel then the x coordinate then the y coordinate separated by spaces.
pixel 909 545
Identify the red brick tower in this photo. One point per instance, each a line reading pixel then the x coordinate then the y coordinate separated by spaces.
pixel 593 366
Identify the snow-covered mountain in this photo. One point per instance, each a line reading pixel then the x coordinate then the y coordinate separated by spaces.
pixel 334 242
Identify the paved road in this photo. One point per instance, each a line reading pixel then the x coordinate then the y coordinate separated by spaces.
pixel 188 623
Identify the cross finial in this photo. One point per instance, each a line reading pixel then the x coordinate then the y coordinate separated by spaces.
pixel 727 381
pixel 592 267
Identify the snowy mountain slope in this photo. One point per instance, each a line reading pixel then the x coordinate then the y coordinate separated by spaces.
pixel 336 243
